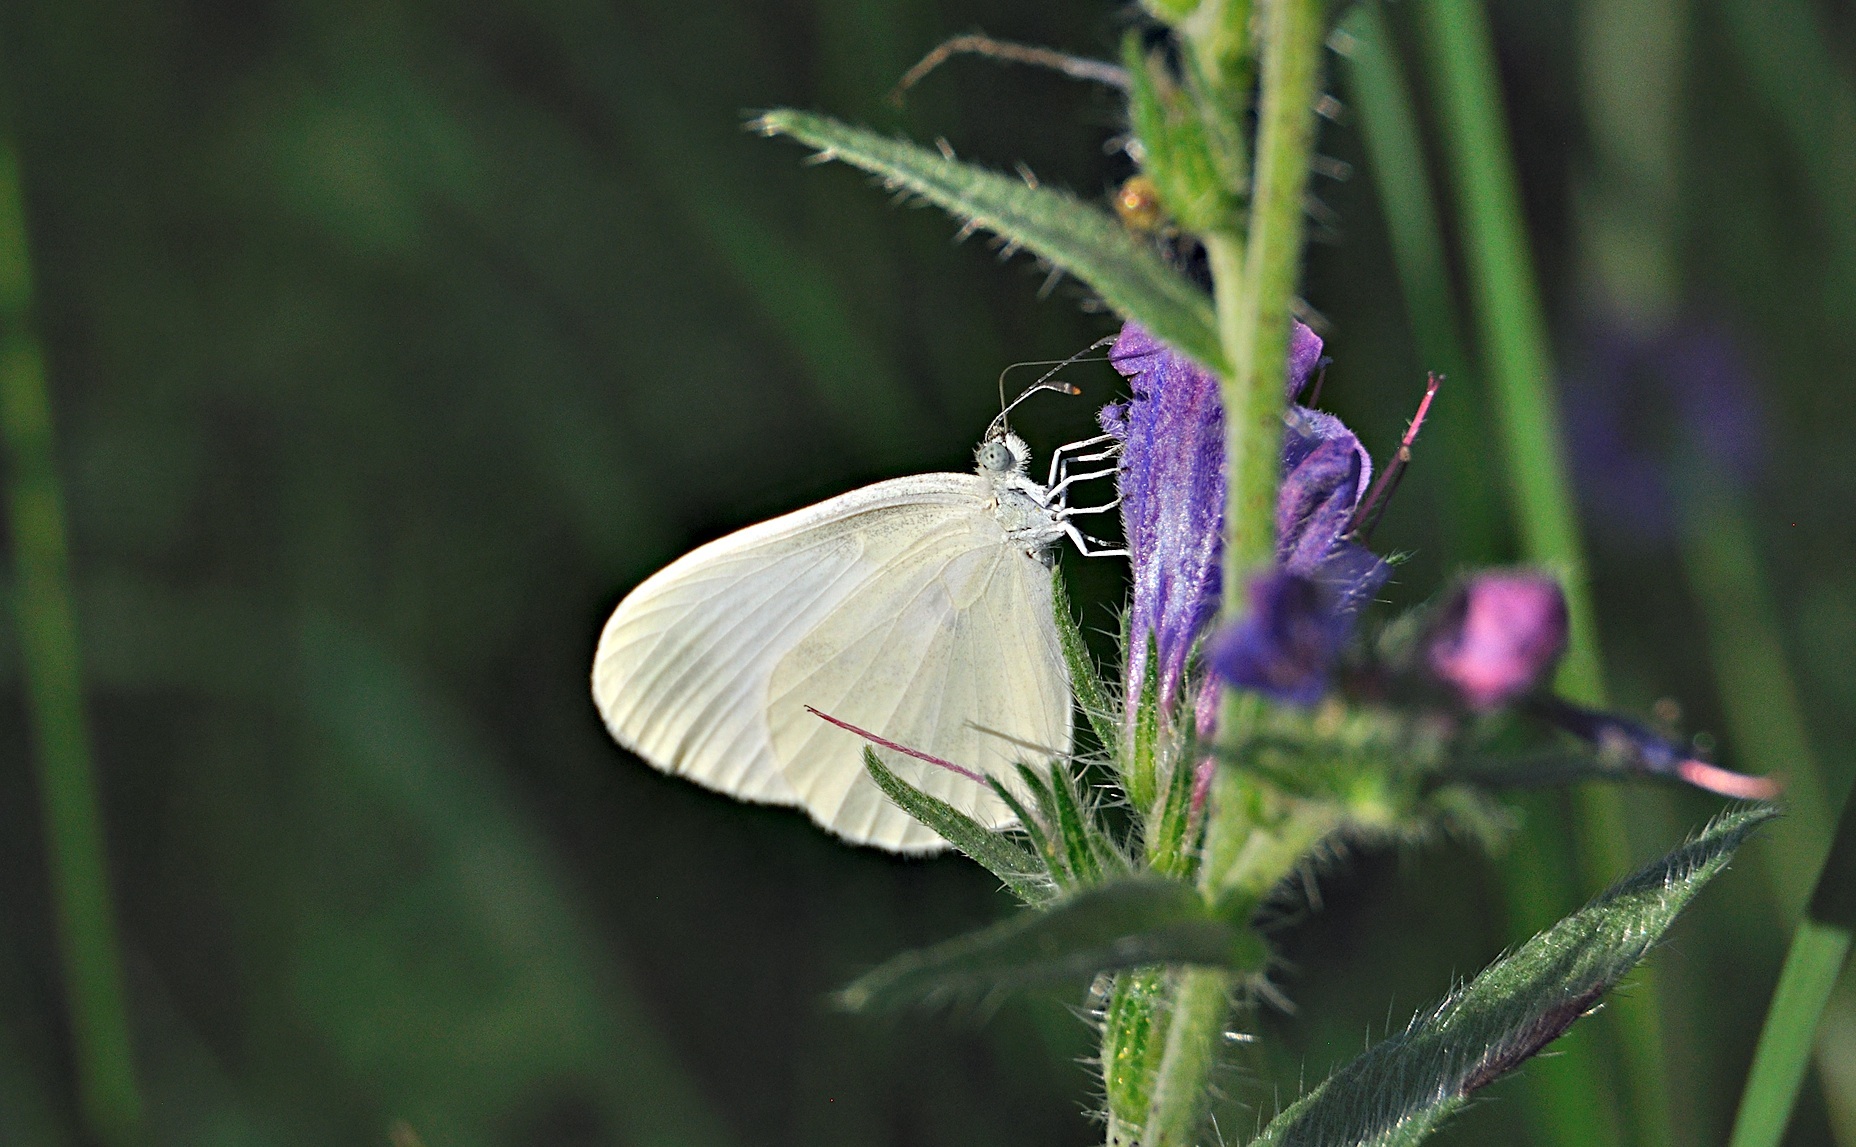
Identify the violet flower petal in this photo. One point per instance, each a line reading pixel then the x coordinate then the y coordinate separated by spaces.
pixel 1172 502
pixel 1172 485
pixel 1325 474
pixel 1304 357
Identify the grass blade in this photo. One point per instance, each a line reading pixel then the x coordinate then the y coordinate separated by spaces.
pixel 1820 950
pixel 1074 237
pixel 1512 324
pixel 1389 132
pixel 108 1093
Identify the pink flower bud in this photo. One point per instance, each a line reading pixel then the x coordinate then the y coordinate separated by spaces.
pixel 1498 637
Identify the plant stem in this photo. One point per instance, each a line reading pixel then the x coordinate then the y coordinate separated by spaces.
pixel 107 1092
pixel 1513 327
pixel 1200 1003
pixel 1253 283
pixel 1253 308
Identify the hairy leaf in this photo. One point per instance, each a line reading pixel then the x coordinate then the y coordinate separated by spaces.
pixel 1085 680
pixel 1402 1090
pixel 1079 239
pixel 1178 154
pixel 1127 923
pixel 999 854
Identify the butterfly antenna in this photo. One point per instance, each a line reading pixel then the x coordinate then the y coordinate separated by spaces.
pixel 1075 67
pixel 1047 382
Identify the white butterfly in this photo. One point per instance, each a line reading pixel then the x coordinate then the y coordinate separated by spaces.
pixel 918 609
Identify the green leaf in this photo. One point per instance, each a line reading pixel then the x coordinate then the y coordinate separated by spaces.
pixel 1127 923
pixel 1403 1089
pixel 1073 236
pixel 1167 849
pixel 1140 768
pixel 998 853
pixel 1049 843
pixel 1083 839
pixel 1085 681
pixel 1194 182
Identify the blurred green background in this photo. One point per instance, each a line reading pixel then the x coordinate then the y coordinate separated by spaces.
pixel 389 344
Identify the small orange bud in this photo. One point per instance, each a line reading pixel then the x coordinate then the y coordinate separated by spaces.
pixel 1138 203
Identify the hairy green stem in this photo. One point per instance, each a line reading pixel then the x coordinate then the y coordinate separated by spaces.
pixel 1515 347
pixel 1253 311
pixel 1253 284
pixel 1200 1003
pixel 107 1093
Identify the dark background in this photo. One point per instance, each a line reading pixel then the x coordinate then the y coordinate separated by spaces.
pixel 390 344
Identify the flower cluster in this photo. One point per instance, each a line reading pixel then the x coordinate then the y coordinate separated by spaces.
pixel 1492 644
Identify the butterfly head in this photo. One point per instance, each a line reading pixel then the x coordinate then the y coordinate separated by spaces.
pixel 1002 455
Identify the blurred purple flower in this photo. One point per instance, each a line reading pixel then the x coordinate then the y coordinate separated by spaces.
pixel 1644 405
pixel 1286 644
pixel 1498 636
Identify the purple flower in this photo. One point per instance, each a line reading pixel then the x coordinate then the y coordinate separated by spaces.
pixel 1304 356
pixel 1172 502
pixel 1172 486
pixel 1286 644
pixel 1498 637
pixel 1326 473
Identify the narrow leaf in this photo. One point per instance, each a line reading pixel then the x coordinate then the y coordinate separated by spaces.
pixel 1167 846
pixel 1074 237
pixel 1402 1090
pixel 1046 832
pixel 998 853
pixel 1077 827
pixel 1085 679
pixel 1123 924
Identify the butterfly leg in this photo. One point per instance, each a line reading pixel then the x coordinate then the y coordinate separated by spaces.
pixel 1091 547
pixel 1056 456
pixel 1072 511
pixel 1051 495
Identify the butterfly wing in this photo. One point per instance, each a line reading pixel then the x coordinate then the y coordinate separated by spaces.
pixel 684 668
pixel 953 651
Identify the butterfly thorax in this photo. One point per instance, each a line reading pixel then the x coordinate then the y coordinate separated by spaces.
pixel 1020 504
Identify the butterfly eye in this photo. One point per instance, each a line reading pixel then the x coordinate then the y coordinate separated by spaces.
pixel 995 457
